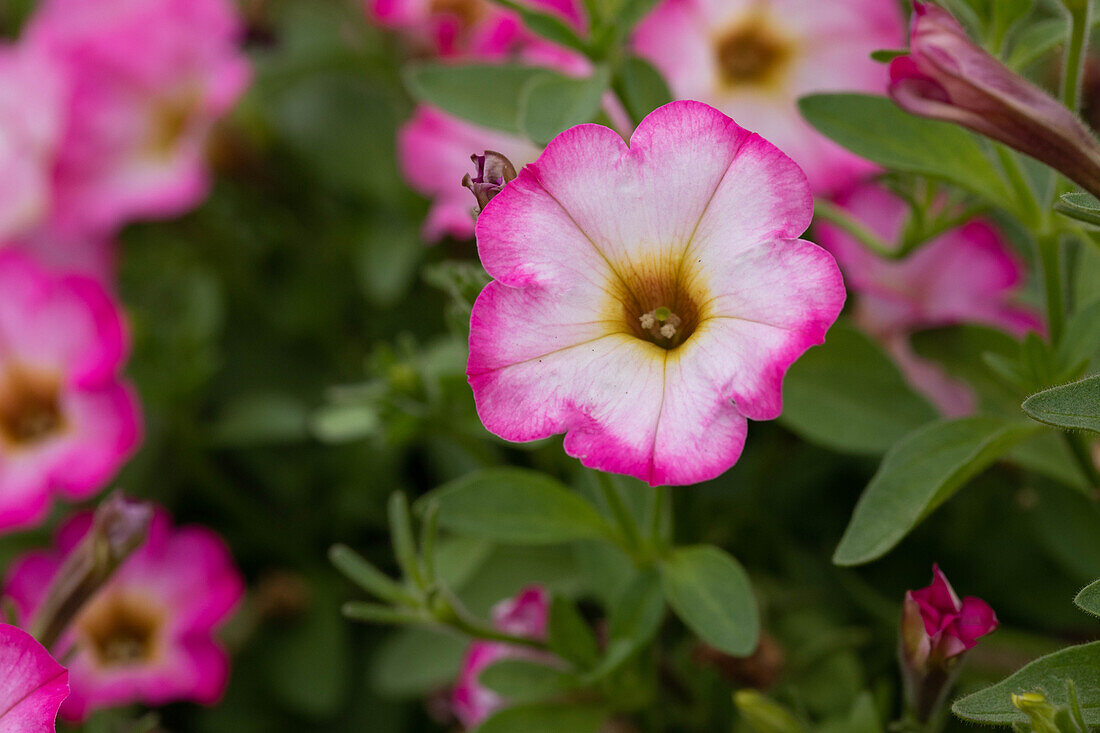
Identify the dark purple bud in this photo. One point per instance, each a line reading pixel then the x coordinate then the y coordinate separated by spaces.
pixel 493 172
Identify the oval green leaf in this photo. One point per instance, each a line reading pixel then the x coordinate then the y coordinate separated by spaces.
pixel 917 475
pixel 1075 405
pixel 710 592
pixel 1080 206
pixel 1089 598
pixel 552 103
pixel 485 94
pixel 521 680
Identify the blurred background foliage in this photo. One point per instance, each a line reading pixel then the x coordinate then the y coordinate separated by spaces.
pixel 300 354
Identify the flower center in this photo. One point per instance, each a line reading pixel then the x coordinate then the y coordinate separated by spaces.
pixel 121 630
pixel 468 12
pixel 171 119
pixel 750 54
pixel 659 300
pixel 30 409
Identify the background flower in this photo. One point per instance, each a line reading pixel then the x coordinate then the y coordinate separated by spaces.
pixel 32 684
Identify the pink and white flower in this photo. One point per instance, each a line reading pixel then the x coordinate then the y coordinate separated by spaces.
pixel 968 274
pixel 32 118
pixel 433 151
pixel 148 79
pixel 149 634
pixel 753 59
pixel 32 684
pixel 523 615
pixel 648 299
pixel 67 420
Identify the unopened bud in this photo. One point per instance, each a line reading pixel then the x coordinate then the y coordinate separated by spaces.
pixel 119 526
pixel 493 172
pixel 1040 712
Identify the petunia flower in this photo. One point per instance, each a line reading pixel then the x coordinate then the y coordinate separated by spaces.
pixel 148 635
pixel 32 118
pixel 148 79
pixel 948 77
pixel 433 151
pixel 67 420
pixel 753 59
pixel 648 299
pixel 937 628
pixel 523 615
pixel 32 684
pixel 968 274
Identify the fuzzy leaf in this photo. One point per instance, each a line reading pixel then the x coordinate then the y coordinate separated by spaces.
pixel 1075 405
pixel 1089 598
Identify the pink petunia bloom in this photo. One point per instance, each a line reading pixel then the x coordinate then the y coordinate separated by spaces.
pixel 946 76
pixel 69 252
pixel 966 275
pixel 433 150
pixel 149 634
pixel 648 299
pixel 753 59
pixel 32 684
pixel 523 615
pixel 148 80
pixel 477 29
pixel 32 118
pixel 67 420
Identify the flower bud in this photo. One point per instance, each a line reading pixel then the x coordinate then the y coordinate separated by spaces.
pixel 493 172
pixel 119 526
pixel 937 628
pixel 947 77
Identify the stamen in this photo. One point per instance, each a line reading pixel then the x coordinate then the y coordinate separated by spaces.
pixel 668 330
pixel 648 320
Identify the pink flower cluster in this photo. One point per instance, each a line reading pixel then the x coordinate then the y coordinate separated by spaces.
pixel 147 635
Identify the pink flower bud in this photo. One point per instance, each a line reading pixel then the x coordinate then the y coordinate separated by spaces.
pixel 493 172
pixel 936 629
pixel 948 77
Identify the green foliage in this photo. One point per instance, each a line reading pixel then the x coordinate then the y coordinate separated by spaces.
pixel 546 718
pixel 1080 206
pixel 552 103
pixel 641 87
pixel 848 395
pixel 522 680
pixel 570 636
pixel 1075 405
pixel 1089 598
pixel 918 474
pixel 485 94
pixel 711 594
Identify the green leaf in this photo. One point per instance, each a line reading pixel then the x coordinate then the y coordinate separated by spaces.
pixel 1089 598
pixel 638 612
pixel 550 27
pixel 1081 664
pixel 631 12
pixel 522 680
pixel 1035 40
pixel 517 506
pixel 546 718
pixel 848 395
pixel 711 594
pixel 886 55
pixel 550 104
pixel 485 94
pixel 570 636
pixel 1080 206
pixel 917 475
pixel 411 662
pixel 875 128
pixel 1075 405
pixel 641 87
pixel 1081 339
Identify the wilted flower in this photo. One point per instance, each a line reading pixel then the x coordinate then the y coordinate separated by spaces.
pixel 32 684
pixel 648 299
pixel 523 615
pixel 67 421
pixel 147 80
pixel 936 629
pixel 753 59
pixel 493 171
pixel 968 274
pixel 948 77
pixel 32 117
pixel 148 634
pixel 433 150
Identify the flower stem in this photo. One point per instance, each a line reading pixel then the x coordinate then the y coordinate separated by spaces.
pixel 1080 449
pixel 1051 262
pixel 833 214
pixel 1079 11
pixel 623 518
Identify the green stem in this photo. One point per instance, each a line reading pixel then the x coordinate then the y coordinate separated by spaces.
pixel 1075 52
pixel 1027 207
pixel 833 214
pixel 1051 263
pixel 623 518
pixel 1080 449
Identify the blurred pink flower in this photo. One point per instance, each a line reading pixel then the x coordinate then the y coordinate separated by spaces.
pixel 648 299
pixel 67 420
pixel 523 615
pixel 433 150
pixel 966 275
pixel 149 634
pixel 476 29
pixel 69 252
pixel 936 626
pixel 32 118
pixel 753 59
pixel 32 684
pixel 948 77
pixel 148 79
